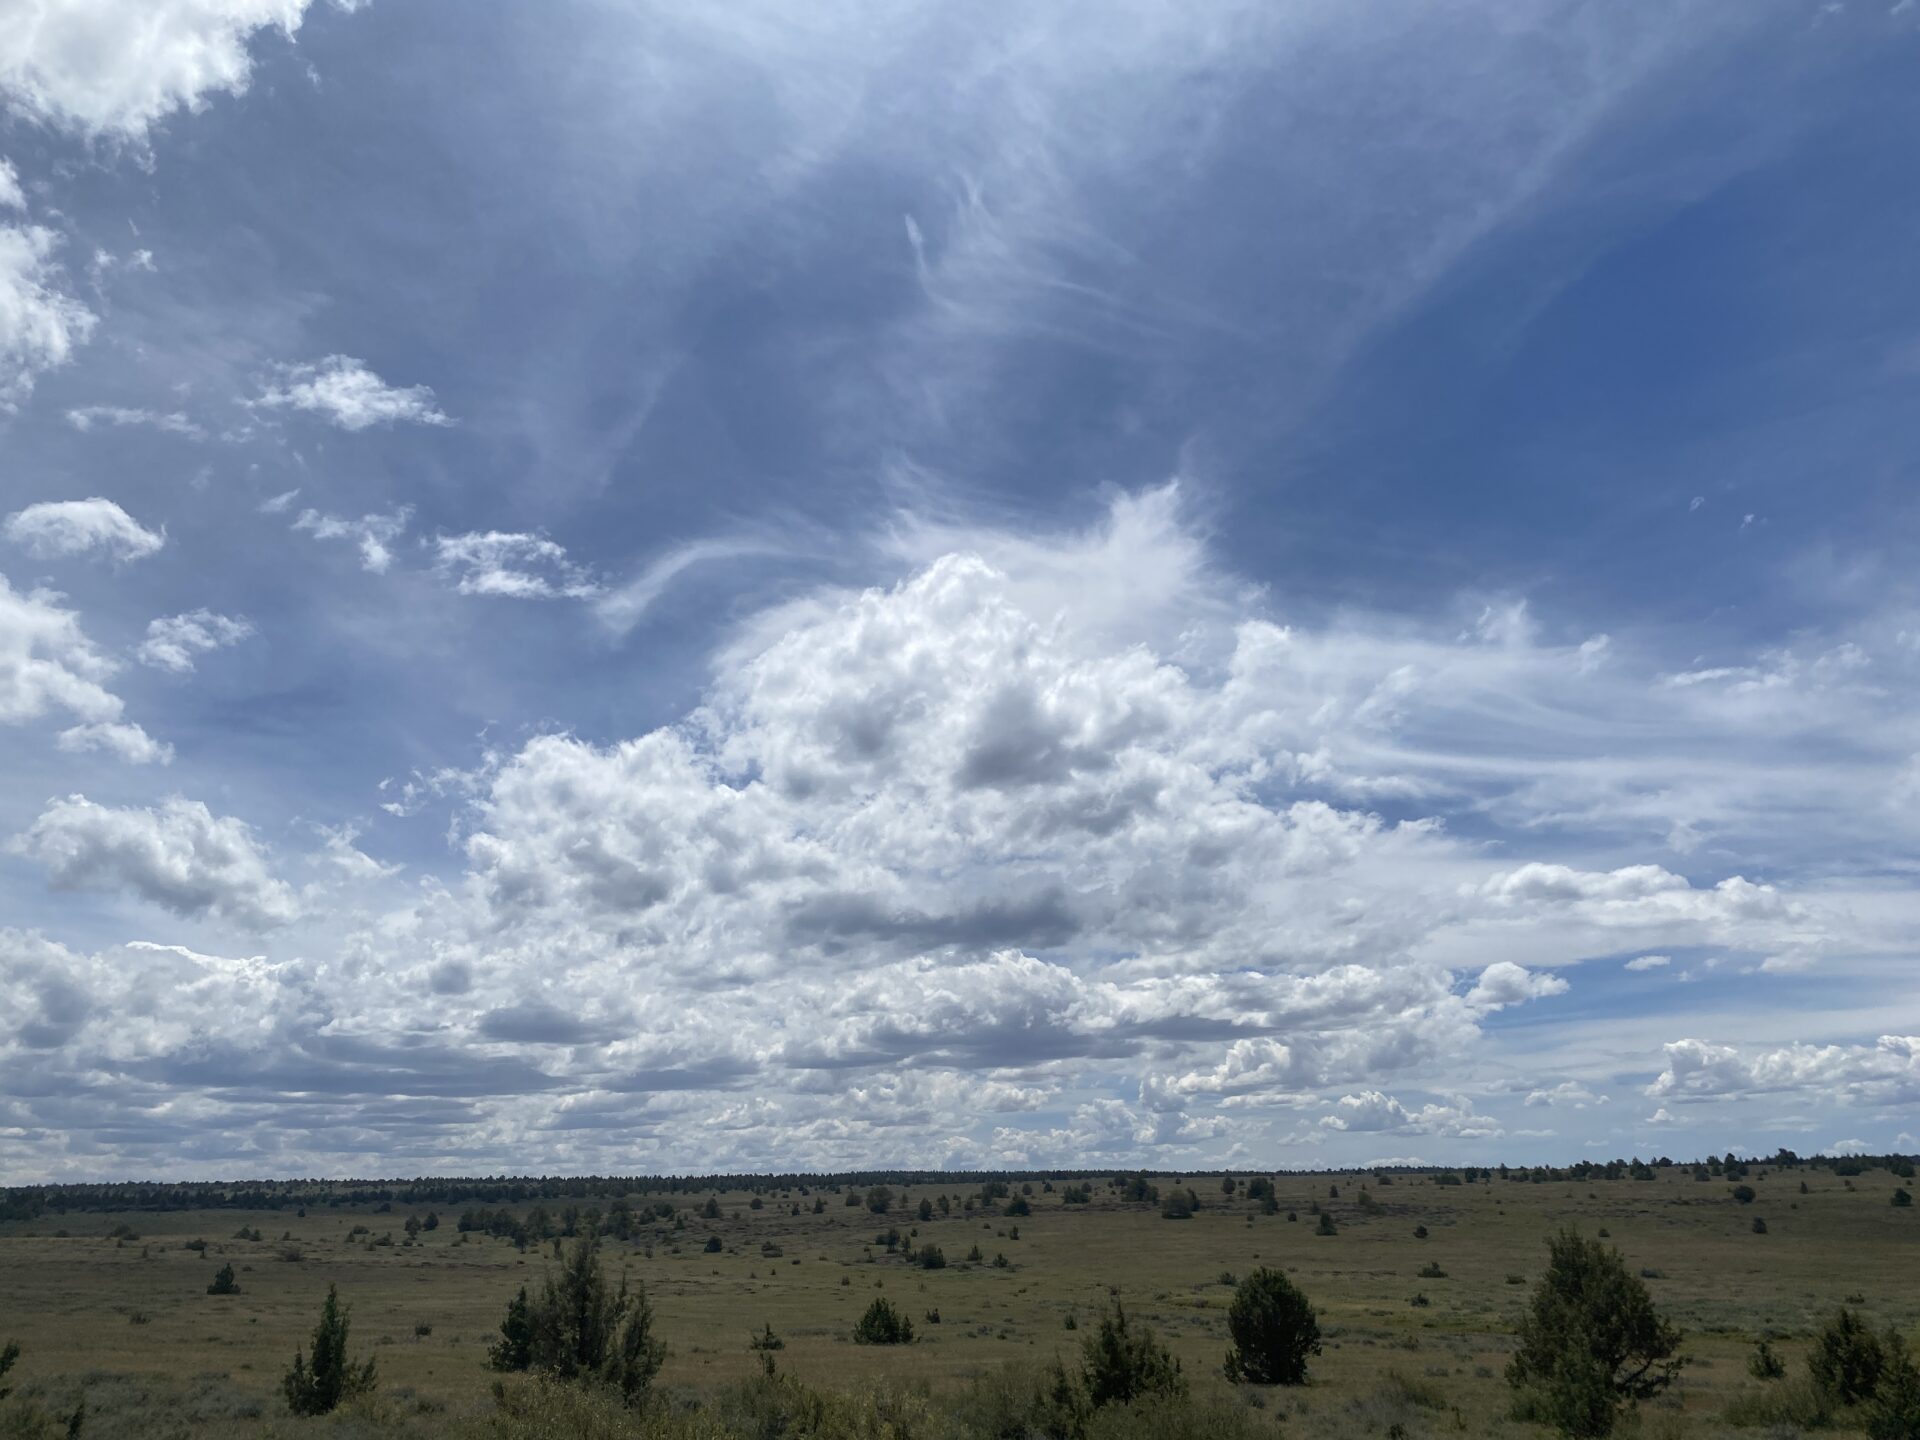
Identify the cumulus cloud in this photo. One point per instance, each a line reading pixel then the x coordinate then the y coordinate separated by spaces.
pixel 1649 962
pixel 173 641
pixel 373 534
pixel 348 394
pixel 127 741
pixel 516 566
pixel 179 856
pixel 40 324
pixel 1885 1073
pixel 55 528
pixel 1570 1094
pixel 984 864
pixel 1503 983
pixel 47 662
pixel 115 68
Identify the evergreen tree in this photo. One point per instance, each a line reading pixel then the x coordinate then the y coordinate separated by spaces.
pixel 1847 1359
pixel 317 1388
pixel 1120 1363
pixel 514 1349
pixel 1591 1340
pixel 1274 1330
pixel 223 1282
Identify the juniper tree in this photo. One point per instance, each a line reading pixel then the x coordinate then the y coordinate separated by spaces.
pixel 1120 1363
pixel 318 1387
pixel 1274 1330
pixel 1591 1340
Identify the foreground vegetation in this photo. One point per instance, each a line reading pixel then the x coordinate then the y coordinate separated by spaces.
pixel 996 1307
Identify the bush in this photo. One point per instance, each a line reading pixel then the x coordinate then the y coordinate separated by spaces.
pixel 1590 1341
pixel 713 1245
pixel 578 1327
pixel 1901 1198
pixel 1274 1330
pixel 1847 1359
pixel 1759 1226
pixel 883 1325
pixel 316 1388
pixel 1432 1271
pixel 1894 1413
pixel 223 1282
pixel 1764 1364
pixel 1019 1205
pixel 1120 1364
pixel 1744 1194
pixel 931 1258
pixel 8 1357
pixel 1326 1225
pixel 1180 1205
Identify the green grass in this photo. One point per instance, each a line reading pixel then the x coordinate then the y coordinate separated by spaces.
pixel 130 1319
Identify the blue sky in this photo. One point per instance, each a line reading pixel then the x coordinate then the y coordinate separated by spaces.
pixel 662 586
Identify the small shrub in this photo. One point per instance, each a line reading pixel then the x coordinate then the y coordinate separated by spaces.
pixel 713 1245
pixel 1894 1413
pixel 1419 1302
pixel 1120 1363
pixel 1744 1194
pixel 1759 1226
pixel 223 1282
pixel 1326 1225
pixel 766 1340
pixel 931 1258
pixel 883 1325
pixel 1764 1364
pixel 1419 1232
pixel 1902 1199
pixel 1432 1271
pixel 1847 1359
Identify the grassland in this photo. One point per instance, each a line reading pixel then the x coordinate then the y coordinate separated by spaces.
pixel 117 1303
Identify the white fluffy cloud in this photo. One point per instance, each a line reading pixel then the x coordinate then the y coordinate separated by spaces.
pixel 179 856
pixel 117 67
pixel 943 868
pixel 47 662
pixel 1885 1073
pixel 41 325
pixel 55 528
pixel 515 566
pixel 348 394
pixel 174 640
pixel 128 741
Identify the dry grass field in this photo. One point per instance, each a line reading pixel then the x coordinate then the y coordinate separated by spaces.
pixel 130 1320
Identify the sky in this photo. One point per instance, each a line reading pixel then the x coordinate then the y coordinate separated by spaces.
pixel 651 586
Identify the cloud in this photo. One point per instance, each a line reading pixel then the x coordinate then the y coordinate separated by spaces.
pixel 174 640
pixel 1503 983
pixel 47 662
pixel 519 567
pixel 351 396
pixel 1374 1112
pixel 624 606
pixel 83 418
pixel 116 68
pixel 12 197
pixel 1886 1073
pixel 54 528
pixel 1649 962
pixel 129 742
pixel 1569 1094
pixel 374 534
pixel 40 325
pixel 179 856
